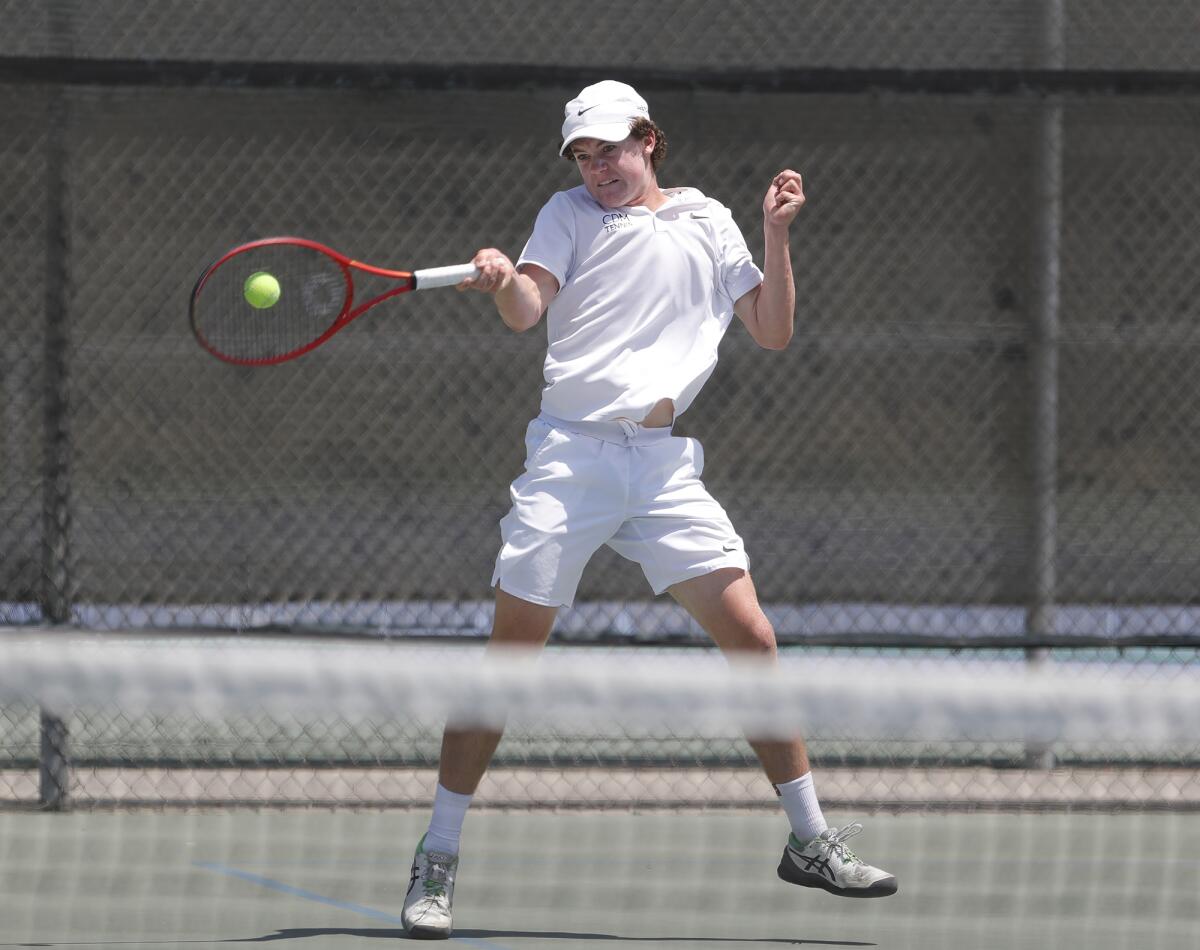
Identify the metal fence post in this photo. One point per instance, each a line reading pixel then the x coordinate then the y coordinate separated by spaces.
pixel 54 773
pixel 54 767
pixel 1040 616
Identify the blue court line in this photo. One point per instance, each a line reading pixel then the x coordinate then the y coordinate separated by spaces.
pixel 322 899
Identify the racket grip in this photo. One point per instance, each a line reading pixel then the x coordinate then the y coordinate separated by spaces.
pixel 443 276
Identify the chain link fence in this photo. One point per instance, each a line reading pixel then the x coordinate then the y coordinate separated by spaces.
pixel 883 465
pixel 700 36
pixel 983 433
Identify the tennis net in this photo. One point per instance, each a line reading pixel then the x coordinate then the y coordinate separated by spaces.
pixel 217 789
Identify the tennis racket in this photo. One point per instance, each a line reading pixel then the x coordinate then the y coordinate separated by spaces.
pixel 278 298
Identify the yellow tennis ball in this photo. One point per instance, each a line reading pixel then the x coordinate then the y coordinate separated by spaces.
pixel 261 290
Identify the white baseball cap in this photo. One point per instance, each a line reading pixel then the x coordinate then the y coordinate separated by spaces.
pixel 604 111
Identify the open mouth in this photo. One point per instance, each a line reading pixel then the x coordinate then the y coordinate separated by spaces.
pixel 605 184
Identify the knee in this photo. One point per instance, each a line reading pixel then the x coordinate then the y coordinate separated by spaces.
pixel 757 638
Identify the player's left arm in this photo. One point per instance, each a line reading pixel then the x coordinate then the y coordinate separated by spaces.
pixel 768 311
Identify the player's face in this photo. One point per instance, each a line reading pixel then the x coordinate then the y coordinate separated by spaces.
pixel 616 173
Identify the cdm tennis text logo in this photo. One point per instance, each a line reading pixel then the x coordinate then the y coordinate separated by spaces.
pixel 615 220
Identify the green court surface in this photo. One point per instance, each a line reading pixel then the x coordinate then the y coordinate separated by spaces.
pixel 314 878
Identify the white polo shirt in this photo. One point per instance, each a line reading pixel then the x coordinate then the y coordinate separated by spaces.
pixel 644 300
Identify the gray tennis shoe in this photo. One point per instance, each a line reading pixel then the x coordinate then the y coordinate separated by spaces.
pixel 827 863
pixel 430 894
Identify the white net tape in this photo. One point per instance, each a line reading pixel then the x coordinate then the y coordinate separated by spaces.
pixel 688 692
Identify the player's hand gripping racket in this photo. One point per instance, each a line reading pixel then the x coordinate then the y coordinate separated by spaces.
pixel 275 299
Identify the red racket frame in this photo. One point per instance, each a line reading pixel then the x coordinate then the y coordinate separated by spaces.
pixel 346 315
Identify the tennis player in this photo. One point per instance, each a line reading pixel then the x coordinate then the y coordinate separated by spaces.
pixel 640 284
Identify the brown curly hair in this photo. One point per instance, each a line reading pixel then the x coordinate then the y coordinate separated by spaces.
pixel 642 129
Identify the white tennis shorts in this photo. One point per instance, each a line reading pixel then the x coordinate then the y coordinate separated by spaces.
pixel 638 490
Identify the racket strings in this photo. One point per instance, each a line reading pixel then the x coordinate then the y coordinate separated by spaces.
pixel 314 291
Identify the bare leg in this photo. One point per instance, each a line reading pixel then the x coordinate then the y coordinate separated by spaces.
pixel 466 753
pixel 725 604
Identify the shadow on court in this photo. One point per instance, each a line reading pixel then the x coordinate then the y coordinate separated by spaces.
pixel 392 933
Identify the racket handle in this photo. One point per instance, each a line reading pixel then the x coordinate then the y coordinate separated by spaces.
pixel 443 276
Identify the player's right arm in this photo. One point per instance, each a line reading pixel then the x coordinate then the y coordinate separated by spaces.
pixel 521 296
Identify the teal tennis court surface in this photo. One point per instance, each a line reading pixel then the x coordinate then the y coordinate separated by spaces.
pixel 318 879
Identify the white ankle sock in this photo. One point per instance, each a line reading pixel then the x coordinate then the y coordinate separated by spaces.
pixel 799 800
pixel 445 827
